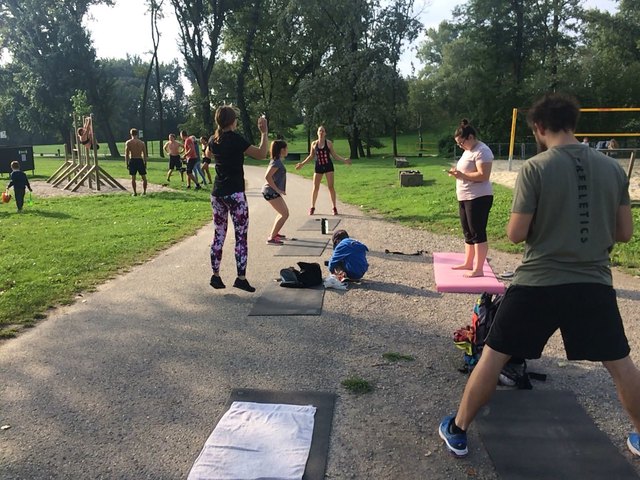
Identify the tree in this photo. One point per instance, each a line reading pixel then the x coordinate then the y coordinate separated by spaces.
pixel 498 54
pixel 45 36
pixel 201 24
pixel 155 10
pixel 397 26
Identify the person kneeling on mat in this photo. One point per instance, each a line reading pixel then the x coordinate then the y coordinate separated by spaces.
pixel 349 259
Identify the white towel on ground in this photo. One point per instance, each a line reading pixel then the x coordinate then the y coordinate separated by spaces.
pixel 257 441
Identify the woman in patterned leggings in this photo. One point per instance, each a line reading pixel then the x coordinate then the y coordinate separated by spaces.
pixel 228 149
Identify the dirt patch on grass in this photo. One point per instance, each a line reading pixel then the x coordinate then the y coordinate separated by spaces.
pixel 42 189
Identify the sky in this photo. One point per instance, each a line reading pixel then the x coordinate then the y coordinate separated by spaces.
pixel 125 28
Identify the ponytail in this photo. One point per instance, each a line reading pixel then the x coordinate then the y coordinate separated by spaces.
pixel 225 116
pixel 276 148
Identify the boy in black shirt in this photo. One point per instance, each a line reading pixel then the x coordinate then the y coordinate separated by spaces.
pixel 19 181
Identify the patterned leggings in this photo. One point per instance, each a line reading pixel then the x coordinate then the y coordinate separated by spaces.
pixel 236 205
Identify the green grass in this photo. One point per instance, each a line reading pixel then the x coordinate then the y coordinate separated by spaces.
pixel 357 385
pixel 373 185
pixel 62 246
pixel 396 357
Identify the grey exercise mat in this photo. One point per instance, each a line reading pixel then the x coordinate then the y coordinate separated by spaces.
pixel 302 247
pixel 534 434
pixel 313 224
pixel 324 403
pixel 277 300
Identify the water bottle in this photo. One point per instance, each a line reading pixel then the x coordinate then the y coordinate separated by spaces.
pixel 324 226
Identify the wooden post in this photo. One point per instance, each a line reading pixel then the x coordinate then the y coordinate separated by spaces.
pixel 632 160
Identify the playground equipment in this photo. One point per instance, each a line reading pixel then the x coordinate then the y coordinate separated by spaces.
pixel 82 167
pixel 514 119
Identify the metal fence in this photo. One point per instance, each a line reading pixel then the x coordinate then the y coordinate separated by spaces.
pixel 523 151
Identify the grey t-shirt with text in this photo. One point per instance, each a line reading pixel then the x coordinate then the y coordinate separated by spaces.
pixel 574 193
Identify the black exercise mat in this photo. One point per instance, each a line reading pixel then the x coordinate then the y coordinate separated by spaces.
pixel 324 403
pixel 277 300
pixel 535 434
pixel 302 247
pixel 313 224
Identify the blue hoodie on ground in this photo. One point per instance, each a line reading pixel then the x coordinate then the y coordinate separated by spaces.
pixel 353 256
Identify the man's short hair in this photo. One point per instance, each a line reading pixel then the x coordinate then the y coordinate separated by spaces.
pixel 134 132
pixel 183 133
pixel 15 165
pixel 556 112
pixel 338 236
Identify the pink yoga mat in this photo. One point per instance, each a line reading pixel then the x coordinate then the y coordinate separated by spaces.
pixel 454 281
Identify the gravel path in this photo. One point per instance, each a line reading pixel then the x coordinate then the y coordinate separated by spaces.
pixel 129 382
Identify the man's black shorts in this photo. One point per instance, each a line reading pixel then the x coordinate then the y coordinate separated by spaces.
pixel 191 163
pixel 175 162
pixel 586 313
pixel 324 167
pixel 136 165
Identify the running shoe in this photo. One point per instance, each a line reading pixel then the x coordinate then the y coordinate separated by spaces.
pixel 274 241
pixel 456 442
pixel 312 210
pixel 216 282
pixel 243 285
pixel 633 442
pixel 335 211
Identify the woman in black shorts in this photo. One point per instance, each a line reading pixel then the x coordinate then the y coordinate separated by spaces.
pixel 206 159
pixel 322 151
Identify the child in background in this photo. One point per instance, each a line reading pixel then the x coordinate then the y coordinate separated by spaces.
pixel 349 258
pixel 197 169
pixel 274 189
pixel 206 159
pixel 19 181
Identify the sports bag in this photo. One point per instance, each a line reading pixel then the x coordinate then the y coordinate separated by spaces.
pixel 290 278
pixel 472 339
pixel 310 274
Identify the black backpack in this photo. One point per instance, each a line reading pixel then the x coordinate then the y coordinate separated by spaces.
pixel 290 278
pixel 472 340
pixel 309 275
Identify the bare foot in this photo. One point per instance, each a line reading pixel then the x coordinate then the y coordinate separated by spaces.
pixel 473 274
pixel 462 266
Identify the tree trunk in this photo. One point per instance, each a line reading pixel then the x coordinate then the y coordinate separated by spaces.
pixel 196 21
pixel 160 110
pixel 143 106
pixel 518 66
pixel 244 68
pixel 155 37
pixel 111 139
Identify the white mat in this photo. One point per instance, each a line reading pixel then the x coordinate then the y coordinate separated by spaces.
pixel 256 441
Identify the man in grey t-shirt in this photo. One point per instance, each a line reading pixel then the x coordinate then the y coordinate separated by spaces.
pixel 570 206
